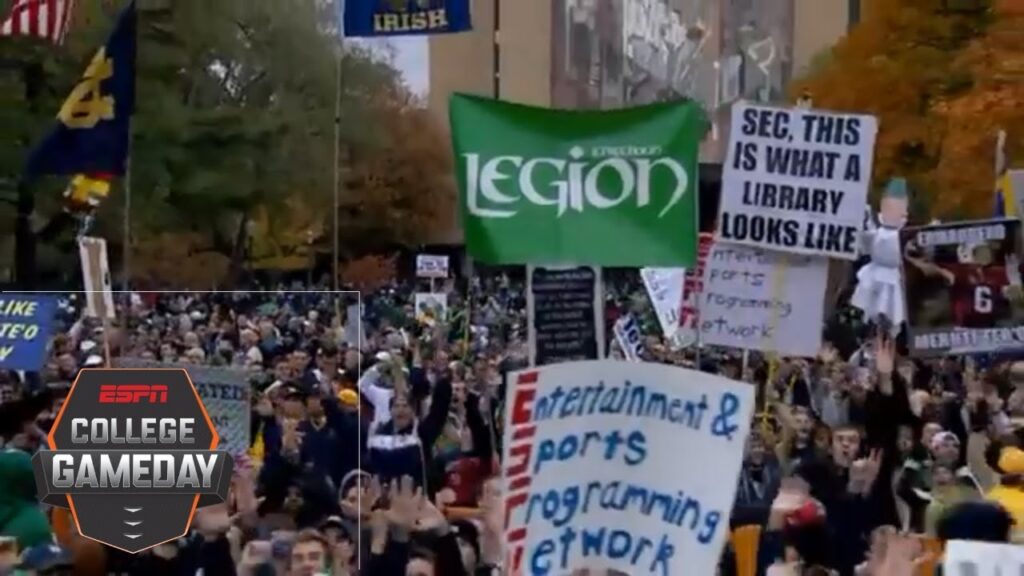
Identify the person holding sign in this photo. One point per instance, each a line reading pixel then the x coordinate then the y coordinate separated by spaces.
pixel 879 292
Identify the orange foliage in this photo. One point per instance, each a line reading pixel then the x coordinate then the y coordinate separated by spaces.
pixel 369 273
pixel 177 262
pixel 401 191
pixel 942 84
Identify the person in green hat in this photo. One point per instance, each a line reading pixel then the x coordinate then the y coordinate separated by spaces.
pixel 879 292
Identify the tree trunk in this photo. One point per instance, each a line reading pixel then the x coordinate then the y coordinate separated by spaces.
pixel 235 268
pixel 24 237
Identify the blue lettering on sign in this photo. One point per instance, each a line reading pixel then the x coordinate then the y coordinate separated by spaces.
pixel 26 323
pixel 627 399
pixel 560 507
pixel 631 448
pixel 722 424
pixel 647 554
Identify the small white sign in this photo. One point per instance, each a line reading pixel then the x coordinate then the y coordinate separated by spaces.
pixel 431 266
pixel 431 307
pixel 969 558
pixel 796 180
pixel 762 300
pixel 665 290
pixel 99 295
pixel 627 334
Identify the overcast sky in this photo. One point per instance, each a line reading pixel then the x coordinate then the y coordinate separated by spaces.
pixel 411 59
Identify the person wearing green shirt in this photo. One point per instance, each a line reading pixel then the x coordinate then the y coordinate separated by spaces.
pixel 946 493
pixel 20 515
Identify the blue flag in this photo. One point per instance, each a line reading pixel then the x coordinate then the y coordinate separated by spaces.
pixel 93 125
pixel 370 18
pixel 26 322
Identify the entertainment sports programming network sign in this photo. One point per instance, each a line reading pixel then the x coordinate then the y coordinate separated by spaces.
pixel 133 454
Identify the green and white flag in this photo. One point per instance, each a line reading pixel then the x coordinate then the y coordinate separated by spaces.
pixel 558 187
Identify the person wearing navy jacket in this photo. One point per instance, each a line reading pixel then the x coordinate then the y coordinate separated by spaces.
pixel 402 446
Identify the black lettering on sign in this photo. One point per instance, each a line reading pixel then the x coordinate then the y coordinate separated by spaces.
pixel 835 130
pixel 564 323
pixel 746 156
pixel 825 201
pixel 759 228
pixel 766 123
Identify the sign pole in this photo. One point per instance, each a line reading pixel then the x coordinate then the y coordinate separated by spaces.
pixel 335 227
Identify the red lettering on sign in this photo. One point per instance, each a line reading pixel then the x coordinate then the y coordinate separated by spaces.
pixel 133 393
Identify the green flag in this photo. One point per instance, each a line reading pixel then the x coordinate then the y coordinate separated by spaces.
pixel 603 188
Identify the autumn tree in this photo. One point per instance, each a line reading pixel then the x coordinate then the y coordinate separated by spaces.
pixel 400 191
pixel 939 75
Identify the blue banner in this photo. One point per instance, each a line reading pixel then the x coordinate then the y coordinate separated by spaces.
pixel 91 135
pixel 26 322
pixel 370 18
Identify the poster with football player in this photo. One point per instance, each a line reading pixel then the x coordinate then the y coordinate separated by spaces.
pixel 963 287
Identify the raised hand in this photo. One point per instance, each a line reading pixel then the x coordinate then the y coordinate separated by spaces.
pixel 864 472
pixel 885 355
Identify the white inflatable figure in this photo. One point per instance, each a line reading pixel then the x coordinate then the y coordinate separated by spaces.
pixel 879 292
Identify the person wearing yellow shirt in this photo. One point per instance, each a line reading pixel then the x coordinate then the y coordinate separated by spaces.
pixel 1008 461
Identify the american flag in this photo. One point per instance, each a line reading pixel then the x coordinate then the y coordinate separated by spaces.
pixel 39 18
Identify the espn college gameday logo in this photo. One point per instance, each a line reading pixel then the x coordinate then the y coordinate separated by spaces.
pixel 133 393
pixel 133 461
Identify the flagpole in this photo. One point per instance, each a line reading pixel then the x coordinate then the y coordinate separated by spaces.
pixel 127 223
pixel 335 251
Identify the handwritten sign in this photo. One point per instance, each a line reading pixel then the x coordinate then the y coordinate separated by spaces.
pixel 796 180
pixel 431 266
pixel 431 307
pixel 970 558
pixel 224 391
pixel 564 314
pixel 742 306
pixel 599 467
pixel 26 322
pixel 665 289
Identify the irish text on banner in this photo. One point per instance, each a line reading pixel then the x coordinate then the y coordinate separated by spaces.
pixel 26 322
pixel 601 188
pixel 963 287
pixel 740 306
pixel 626 466
pixel 796 180
pixel 368 18
pixel 225 392
pixel 970 558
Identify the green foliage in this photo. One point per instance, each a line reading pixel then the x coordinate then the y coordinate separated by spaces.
pixel 235 109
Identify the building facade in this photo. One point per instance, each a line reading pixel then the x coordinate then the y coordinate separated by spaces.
pixel 613 53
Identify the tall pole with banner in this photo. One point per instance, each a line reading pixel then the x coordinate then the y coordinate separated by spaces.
pixel 335 246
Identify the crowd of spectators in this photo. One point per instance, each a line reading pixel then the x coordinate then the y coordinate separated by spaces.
pixel 377 454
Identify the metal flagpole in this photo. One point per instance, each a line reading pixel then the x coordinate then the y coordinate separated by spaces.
pixel 127 224
pixel 335 251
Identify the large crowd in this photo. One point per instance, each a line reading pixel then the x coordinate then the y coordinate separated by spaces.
pixel 379 455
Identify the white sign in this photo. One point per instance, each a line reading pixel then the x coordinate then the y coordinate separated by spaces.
pixel 430 266
pixel 601 467
pixel 969 558
pixel 665 289
pixel 355 332
pixel 99 295
pixel 796 180
pixel 627 334
pixel 431 307
pixel 225 393
pixel 762 300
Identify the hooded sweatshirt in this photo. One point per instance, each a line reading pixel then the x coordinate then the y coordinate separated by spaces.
pixel 20 515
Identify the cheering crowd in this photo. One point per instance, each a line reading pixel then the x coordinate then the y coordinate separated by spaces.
pixel 378 455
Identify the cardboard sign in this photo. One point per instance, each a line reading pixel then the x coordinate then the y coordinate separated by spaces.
pixel 629 337
pixel 969 558
pixel 963 287
pixel 628 466
pixel 796 180
pixel 762 300
pixel 26 323
pixel 430 266
pixel 226 394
